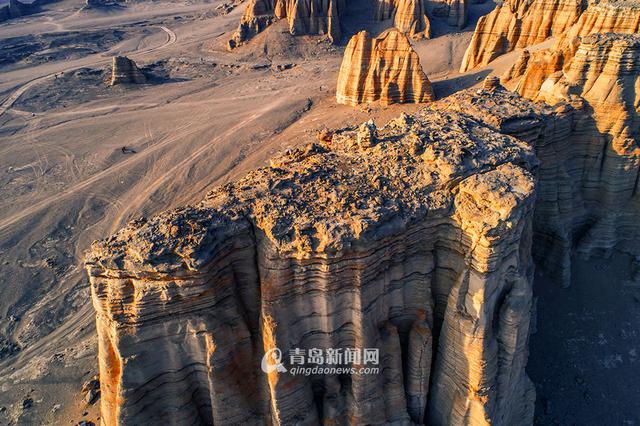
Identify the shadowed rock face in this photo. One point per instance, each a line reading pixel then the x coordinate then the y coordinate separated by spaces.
pixel 384 69
pixel 589 151
pixel 16 9
pixel 413 238
pixel 518 24
pixel 603 75
pixel 303 16
pixel 125 71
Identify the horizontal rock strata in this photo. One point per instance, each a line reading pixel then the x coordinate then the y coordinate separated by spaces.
pixel 587 145
pixel 413 238
pixel 125 71
pixel 315 17
pixel 517 24
pixel 384 69
pixel 621 17
pixel 605 74
pixel 409 16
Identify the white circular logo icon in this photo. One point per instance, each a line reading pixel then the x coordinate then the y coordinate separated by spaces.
pixel 272 360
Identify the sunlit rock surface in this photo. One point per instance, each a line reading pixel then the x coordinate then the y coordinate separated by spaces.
pixel 303 17
pixel 384 69
pixel 413 238
pixel 518 24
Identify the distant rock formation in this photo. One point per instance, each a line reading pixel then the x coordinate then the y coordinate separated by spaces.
pixel 384 69
pixel 518 24
pixel 16 9
pixel 519 67
pixel 621 17
pixel 409 16
pixel 607 16
pixel 412 239
pixel 491 83
pixel 125 71
pixel 456 11
pixel 303 16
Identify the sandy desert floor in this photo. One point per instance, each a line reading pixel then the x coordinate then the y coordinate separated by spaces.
pixel 206 117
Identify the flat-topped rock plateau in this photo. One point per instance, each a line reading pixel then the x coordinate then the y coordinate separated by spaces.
pixel 420 228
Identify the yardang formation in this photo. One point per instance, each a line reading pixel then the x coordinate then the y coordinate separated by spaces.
pixel 384 69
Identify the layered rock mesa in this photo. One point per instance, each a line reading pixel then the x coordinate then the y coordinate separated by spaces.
pixel 384 69
pixel 517 24
pixel 603 76
pixel 303 16
pixel 413 239
pixel 125 71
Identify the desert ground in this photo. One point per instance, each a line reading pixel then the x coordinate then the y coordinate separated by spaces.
pixel 205 117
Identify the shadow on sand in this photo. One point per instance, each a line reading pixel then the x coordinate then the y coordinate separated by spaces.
pixel 444 88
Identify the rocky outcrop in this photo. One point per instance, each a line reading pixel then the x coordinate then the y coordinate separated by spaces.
pixel 384 69
pixel 491 83
pixel 412 239
pixel 537 68
pixel 125 71
pixel 518 24
pixel 409 16
pixel 16 9
pixel 622 17
pixel 604 73
pixel 303 17
pixel 455 12
pixel 611 16
pixel 590 151
pixel 519 67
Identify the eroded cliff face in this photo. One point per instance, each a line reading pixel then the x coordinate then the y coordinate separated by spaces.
pixel 620 17
pixel 604 74
pixel 587 143
pixel 413 238
pixel 608 16
pixel 517 24
pixel 384 69
pixel 410 17
pixel 303 17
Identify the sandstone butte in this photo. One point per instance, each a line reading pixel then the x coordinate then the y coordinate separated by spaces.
pixel 413 238
pixel 409 16
pixel 517 24
pixel 384 69
pixel 125 71
pixel 303 17
pixel 621 17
